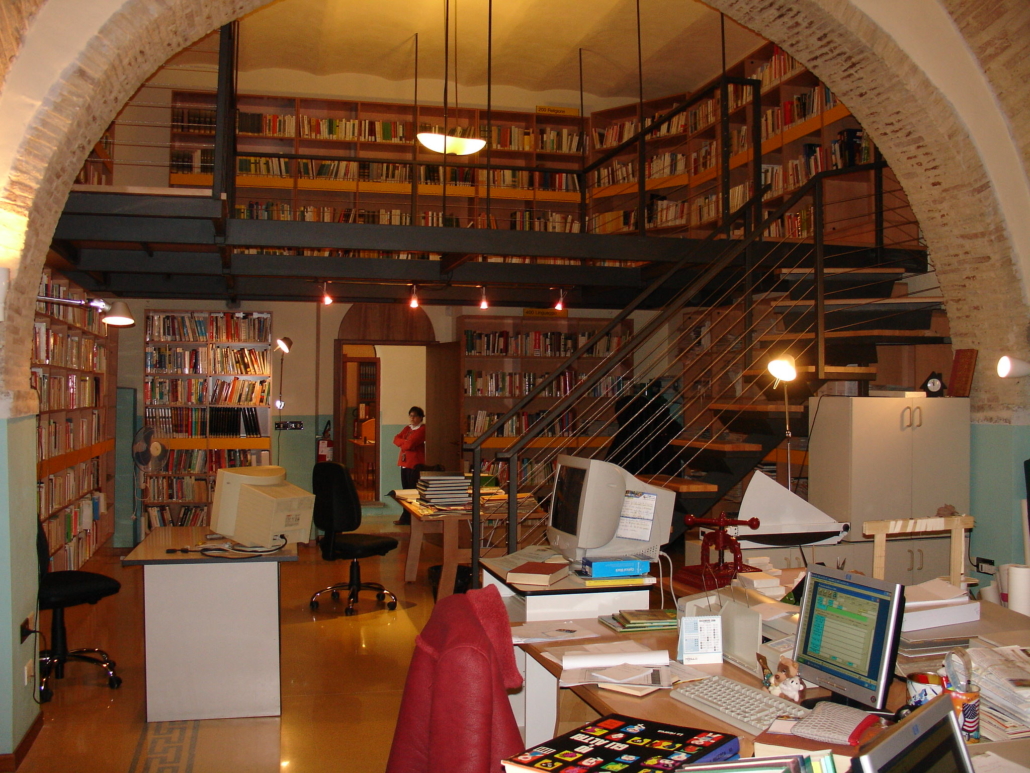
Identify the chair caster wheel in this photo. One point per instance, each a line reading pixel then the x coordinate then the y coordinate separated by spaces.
pixel 335 595
pixel 45 694
pixel 380 597
pixel 314 605
pixel 349 611
pixel 114 682
pixel 391 605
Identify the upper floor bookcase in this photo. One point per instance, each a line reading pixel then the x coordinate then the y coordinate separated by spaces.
pixel 74 363
pixel 206 394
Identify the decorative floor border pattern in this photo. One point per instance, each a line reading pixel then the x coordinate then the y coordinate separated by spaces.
pixel 166 747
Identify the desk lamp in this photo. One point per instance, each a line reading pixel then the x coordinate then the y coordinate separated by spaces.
pixel 784 369
pixel 116 314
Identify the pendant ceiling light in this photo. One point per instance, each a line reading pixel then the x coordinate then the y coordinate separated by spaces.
pixel 443 142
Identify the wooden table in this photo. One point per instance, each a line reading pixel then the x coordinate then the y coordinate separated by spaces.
pixel 449 524
pixel 211 628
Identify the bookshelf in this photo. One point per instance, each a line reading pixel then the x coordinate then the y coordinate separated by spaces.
pixel 360 405
pixel 73 370
pixel 208 377
pixel 503 358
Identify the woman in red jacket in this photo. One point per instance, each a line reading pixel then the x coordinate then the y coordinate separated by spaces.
pixel 412 442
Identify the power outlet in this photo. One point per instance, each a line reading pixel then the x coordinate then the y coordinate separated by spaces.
pixel 984 565
pixel 30 671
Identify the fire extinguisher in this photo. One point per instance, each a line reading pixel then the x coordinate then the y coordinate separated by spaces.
pixel 325 445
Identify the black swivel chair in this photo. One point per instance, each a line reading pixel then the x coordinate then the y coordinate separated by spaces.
pixel 338 514
pixel 57 591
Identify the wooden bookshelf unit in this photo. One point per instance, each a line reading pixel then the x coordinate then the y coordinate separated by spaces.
pixel 208 377
pixel 503 358
pixel 74 365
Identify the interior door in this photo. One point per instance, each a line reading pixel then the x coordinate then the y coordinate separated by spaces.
pixel 443 424
pixel 882 472
pixel 940 450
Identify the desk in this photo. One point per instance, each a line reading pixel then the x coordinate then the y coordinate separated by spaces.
pixel 448 524
pixel 211 629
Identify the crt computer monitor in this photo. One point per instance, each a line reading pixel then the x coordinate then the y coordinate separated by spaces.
pixel 848 634
pixel 256 506
pixel 599 509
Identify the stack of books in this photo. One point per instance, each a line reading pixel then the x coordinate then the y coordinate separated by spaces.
pixel 629 620
pixel 920 652
pixel 620 571
pixel 443 489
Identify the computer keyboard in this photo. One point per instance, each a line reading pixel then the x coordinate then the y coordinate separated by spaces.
pixel 746 708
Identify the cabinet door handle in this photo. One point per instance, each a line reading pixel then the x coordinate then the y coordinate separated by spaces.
pixel 905 424
pixel 918 412
pixel 920 567
pixel 911 560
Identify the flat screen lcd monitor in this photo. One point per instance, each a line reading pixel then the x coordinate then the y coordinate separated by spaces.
pixel 599 509
pixel 926 741
pixel 848 634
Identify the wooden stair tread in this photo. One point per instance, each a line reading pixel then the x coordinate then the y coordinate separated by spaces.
pixel 679 485
pixel 845 372
pixel 851 334
pixel 858 303
pixel 839 271
pixel 724 446
pixel 775 408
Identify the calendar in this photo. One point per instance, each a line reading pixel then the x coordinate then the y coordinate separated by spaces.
pixel 700 640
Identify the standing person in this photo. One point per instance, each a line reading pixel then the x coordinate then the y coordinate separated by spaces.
pixel 412 442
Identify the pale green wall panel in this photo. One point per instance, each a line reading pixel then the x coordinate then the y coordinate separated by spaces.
pixel 996 488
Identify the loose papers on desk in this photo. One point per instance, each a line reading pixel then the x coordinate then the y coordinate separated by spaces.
pixel 579 664
pixel 553 630
pixel 1003 676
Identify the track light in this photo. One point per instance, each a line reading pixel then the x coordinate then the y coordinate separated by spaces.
pixel 413 303
pixel 327 299
pixel 560 305
pixel 1010 367
pixel 482 299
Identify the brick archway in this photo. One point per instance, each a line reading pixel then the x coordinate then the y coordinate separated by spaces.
pixel 925 142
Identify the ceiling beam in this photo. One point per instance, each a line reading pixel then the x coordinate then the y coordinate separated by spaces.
pixel 144 205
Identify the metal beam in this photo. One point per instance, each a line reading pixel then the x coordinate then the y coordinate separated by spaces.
pixel 135 230
pixel 143 205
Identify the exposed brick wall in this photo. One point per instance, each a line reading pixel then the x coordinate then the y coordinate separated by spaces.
pixel 915 127
pixel 15 16
pixel 929 149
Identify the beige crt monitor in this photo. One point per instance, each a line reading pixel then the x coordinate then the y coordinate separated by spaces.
pixel 265 515
pixel 228 483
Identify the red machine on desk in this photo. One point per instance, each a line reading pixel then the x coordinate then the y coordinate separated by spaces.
pixel 707 575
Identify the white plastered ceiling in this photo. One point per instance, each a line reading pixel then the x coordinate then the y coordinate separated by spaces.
pixel 536 43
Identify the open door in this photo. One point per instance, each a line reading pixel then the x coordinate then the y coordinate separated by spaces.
pixel 444 426
pixel 357 421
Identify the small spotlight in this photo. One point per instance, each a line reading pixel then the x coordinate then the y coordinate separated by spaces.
pixel 1010 367
pixel 280 403
pixel 413 303
pixel 482 299
pixel 327 299
pixel 284 344
pixel 560 305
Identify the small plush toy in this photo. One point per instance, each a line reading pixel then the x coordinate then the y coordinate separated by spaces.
pixel 792 688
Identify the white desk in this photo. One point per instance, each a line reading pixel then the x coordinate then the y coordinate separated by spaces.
pixel 564 600
pixel 211 629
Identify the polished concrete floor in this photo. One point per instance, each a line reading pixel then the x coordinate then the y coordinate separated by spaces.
pixel 342 679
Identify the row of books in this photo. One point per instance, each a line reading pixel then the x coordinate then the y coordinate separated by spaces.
pixel 176 489
pixel 195 161
pixel 354 129
pixel 245 361
pixel 76 551
pixel 267 124
pixel 67 350
pixel 193 120
pixel 78 516
pixel 63 488
pixel 479 422
pixel 85 317
pixel 176 359
pixel 537 343
pixel 207 326
pixel 209 461
pixel 177 422
pixel 517 384
pixel 183 515
pixel 59 436
pixel 65 392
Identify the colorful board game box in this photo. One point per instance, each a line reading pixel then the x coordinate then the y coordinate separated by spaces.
pixel 619 744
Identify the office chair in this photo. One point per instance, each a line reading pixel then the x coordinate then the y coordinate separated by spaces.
pixel 57 591
pixel 338 510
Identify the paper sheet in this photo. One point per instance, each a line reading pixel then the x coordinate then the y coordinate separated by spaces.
pixel 584 659
pixel 555 630
pixel 989 762
pixel 771 610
